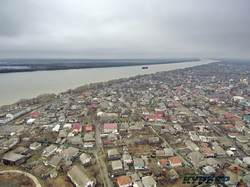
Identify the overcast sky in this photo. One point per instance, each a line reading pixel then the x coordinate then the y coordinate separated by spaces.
pixel 124 28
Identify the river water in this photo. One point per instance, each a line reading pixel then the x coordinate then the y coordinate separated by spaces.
pixel 16 86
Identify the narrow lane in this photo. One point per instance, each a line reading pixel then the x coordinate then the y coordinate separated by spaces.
pixel 176 153
pixel 99 151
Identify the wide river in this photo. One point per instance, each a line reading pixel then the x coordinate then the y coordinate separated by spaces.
pixel 16 86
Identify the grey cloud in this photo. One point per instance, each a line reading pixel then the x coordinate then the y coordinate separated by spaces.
pixel 117 28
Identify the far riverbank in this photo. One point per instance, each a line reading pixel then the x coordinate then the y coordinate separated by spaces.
pixel 30 65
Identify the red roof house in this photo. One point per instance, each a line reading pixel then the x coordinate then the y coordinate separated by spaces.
pixel 88 127
pixel 175 161
pixel 208 151
pixel 77 128
pixel 107 141
pixel 110 128
pixel 150 118
pixel 230 116
pixel 86 93
pixel 163 163
pixel 203 144
pixel 145 112
pixel 233 135
pixel 34 114
pixel 181 90
pixel 124 181
pixel 160 119
pixel 159 113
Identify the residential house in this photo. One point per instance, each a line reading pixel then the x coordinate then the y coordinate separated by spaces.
pixel 246 131
pixel 160 153
pixel 224 141
pixel 208 151
pixel 137 184
pixel 145 112
pixel 139 164
pixel 10 143
pixel 88 128
pixel 153 140
pixel 230 153
pixel 234 177
pixel 218 150
pixel 239 126
pixel 62 133
pixel 113 154
pixel 162 163
pixel 242 139
pixel 54 162
pixel 204 139
pixel 5 119
pixel 148 181
pixel 62 118
pixel 196 158
pixel 191 145
pixel 213 120
pixel 72 119
pixel 67 126
pixel 212 162
pixel 150 118
pixel 175 161
pixel 89 137
pixel 160 119
pixel 85 158
pixel 79 177
pixel 228 127
pixel 208 170
pixel 35 145
pixel 50 150
pixel 69 153
pixel 13 159
pixel 112 137
pixel 108 116
pixel 194 136
pixel 16 113
pixel 159 113
pixel 203 144
pixel 30 121
pixel 173 174
pixel 56 128
pixel 246 160
pixel 233 135
pixel 135 177
pixel 116 165
pixel 77 128
pixel 168 152
pixel 145 159
pixel 76 140
pixel 88 144
pixel 245 148
pixel 173 119
pixel 127 158
pixel 178 128
pixel 110 128
pixel 124 181
pixel 246 118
